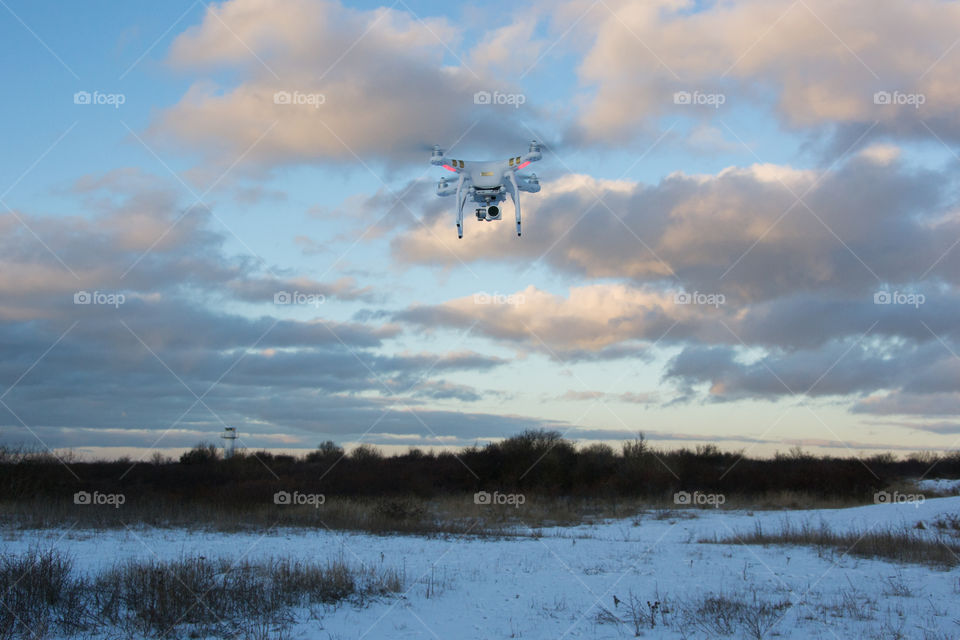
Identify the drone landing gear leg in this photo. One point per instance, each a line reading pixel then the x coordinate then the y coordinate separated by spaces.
pixel 460 202
pixel 515 196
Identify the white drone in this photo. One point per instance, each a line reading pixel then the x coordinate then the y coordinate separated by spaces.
pixel 487 183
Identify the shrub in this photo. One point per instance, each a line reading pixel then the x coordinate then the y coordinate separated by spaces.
pixel 201 454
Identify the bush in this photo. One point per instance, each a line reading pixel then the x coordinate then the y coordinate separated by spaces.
pixel 201 454
pixel 327 452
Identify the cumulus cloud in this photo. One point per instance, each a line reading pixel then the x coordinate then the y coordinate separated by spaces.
pixel 506 48
pixel 591 318
pixel 819 63
pixel 752 233
pixel 319 82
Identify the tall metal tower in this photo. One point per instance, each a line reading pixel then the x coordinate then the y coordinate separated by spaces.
pixel 229 441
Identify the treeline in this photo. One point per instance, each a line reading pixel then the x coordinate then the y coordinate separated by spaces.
pixel 534 462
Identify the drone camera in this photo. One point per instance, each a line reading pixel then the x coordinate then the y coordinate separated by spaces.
pixel 488 213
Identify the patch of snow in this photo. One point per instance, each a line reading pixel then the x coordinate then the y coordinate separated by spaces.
pixel 939 485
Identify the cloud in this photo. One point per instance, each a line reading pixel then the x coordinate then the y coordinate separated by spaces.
pixel 796 346
pixel 590 319
pixel 834 369
pixel 131 235
pixel 817 64
pixel 899 402
pixel 353 85
pixel 440 390
pixel 755 233
pixel 939 427
pixel 501 51
pixel 754 265
pixel 627 397
pixel 264 289
pixel 884 374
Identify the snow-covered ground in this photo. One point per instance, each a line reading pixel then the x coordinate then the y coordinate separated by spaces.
pixel 554 585
pixel 939 485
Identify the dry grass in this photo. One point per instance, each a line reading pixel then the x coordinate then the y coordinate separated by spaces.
pixel 42 595
pixel 724 614
pixel 401 515
pixel 904 545
pixel 741 614
pixel 948 523
pixel 447 515
pixel 450 515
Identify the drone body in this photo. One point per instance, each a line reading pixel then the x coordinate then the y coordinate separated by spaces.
pixel 487 183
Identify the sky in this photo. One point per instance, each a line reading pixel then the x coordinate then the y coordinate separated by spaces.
pixel 746 235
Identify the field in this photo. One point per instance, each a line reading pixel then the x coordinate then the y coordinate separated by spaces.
pixel 531 537
pixel 667 572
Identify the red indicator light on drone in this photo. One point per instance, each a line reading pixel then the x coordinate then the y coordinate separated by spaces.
pixel 521 166
pixel 449 168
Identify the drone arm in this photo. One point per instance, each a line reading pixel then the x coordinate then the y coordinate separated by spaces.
pixel 533 155
pixel 514 191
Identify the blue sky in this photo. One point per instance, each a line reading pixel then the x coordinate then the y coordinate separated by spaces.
pixel 796 199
